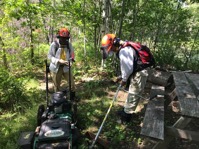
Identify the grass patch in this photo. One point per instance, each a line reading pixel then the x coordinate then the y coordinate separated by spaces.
pixel 96 96
pixel 14 123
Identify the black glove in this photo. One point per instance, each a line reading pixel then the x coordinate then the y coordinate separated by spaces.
pixel 119 78
pixel 123 83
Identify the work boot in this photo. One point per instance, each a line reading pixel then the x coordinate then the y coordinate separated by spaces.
pixel 73 97
pixel 124 116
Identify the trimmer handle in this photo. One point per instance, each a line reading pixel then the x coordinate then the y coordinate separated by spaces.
pixel 46 78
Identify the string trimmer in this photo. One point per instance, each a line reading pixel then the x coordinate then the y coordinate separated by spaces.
pixel 96 137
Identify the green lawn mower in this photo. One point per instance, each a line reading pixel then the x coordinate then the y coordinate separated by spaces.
pixel 56 123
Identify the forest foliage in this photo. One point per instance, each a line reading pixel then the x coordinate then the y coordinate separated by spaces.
pixel 27 27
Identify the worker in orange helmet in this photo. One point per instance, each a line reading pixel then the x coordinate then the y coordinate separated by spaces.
pixel 60 53
pixel 111 44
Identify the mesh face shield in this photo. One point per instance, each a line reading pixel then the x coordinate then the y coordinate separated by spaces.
pixel 105 53
pixel 63 41
pixel 106 45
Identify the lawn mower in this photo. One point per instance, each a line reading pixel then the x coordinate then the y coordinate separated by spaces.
pixel 56 123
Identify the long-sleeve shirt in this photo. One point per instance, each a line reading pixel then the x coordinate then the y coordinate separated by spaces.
pixel 54 57
pixel 126 56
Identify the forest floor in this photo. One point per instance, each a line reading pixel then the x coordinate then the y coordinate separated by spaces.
pixel 85 89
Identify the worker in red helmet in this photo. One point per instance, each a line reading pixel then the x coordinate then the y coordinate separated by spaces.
pixel 111 44
pixel 60 53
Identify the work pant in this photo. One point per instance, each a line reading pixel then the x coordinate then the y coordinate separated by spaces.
pixel 138 82
pixel 57 77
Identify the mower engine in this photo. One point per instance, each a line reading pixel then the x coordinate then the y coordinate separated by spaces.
pixel 56 126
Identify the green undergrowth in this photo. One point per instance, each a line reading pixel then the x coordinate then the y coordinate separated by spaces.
pixel 96 92
pixel 12 124
pixel 20 97
pixel 92 109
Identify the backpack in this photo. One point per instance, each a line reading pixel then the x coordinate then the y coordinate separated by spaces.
pixel 144 58
pixel 56 46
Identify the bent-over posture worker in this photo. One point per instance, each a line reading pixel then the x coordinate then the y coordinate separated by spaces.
pixel 128 65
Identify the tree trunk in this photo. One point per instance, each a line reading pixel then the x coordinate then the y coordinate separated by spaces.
pixel 84 29
pixel 44 23
pixel 104 25
pixel 5 62
pixel 31 35
pixel 121 19
pixel 134 20
pixel 31 43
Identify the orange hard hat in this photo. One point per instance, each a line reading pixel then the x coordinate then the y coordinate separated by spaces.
pixel 63 32
pixel 107 42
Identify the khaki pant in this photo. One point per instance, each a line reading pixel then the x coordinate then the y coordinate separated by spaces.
pixel 136 87
pixel 57 77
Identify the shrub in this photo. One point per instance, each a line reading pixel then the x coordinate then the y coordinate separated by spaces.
pixel 12 95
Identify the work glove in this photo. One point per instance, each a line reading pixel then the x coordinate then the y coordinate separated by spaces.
pixel 119 78
pixel 61 61
pixel 123 83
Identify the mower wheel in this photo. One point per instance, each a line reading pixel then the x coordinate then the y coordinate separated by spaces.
pixel 76 135
pixel 39 114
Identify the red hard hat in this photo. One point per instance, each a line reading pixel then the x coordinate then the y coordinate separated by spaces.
pixel 63 32
pixel 107 42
